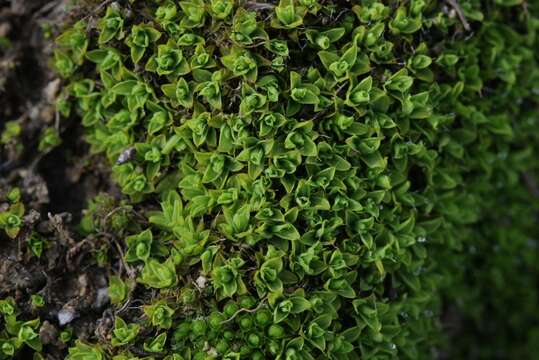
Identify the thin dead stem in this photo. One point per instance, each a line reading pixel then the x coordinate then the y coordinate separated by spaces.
pixel 456 6
pixel 262 302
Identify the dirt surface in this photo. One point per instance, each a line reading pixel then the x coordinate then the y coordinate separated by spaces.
pixel 55 186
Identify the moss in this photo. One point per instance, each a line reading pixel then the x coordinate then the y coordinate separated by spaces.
pixel 310 179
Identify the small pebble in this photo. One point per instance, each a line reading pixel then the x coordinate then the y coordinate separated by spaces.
pixel 102 297
pixel 65 316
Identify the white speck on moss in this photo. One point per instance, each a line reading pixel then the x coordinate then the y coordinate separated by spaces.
pixel 201 281
pixel 212 352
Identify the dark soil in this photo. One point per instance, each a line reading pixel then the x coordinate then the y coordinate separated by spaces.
pixel 55 186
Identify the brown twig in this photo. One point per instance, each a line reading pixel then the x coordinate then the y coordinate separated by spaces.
pixel 262 302
pixel 253 5
pixel 456 6
pixel 130 271
pixel 97 9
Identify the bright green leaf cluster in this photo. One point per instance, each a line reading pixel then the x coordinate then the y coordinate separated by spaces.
pixel 16 333
pixel 300 165
pixel 11 213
